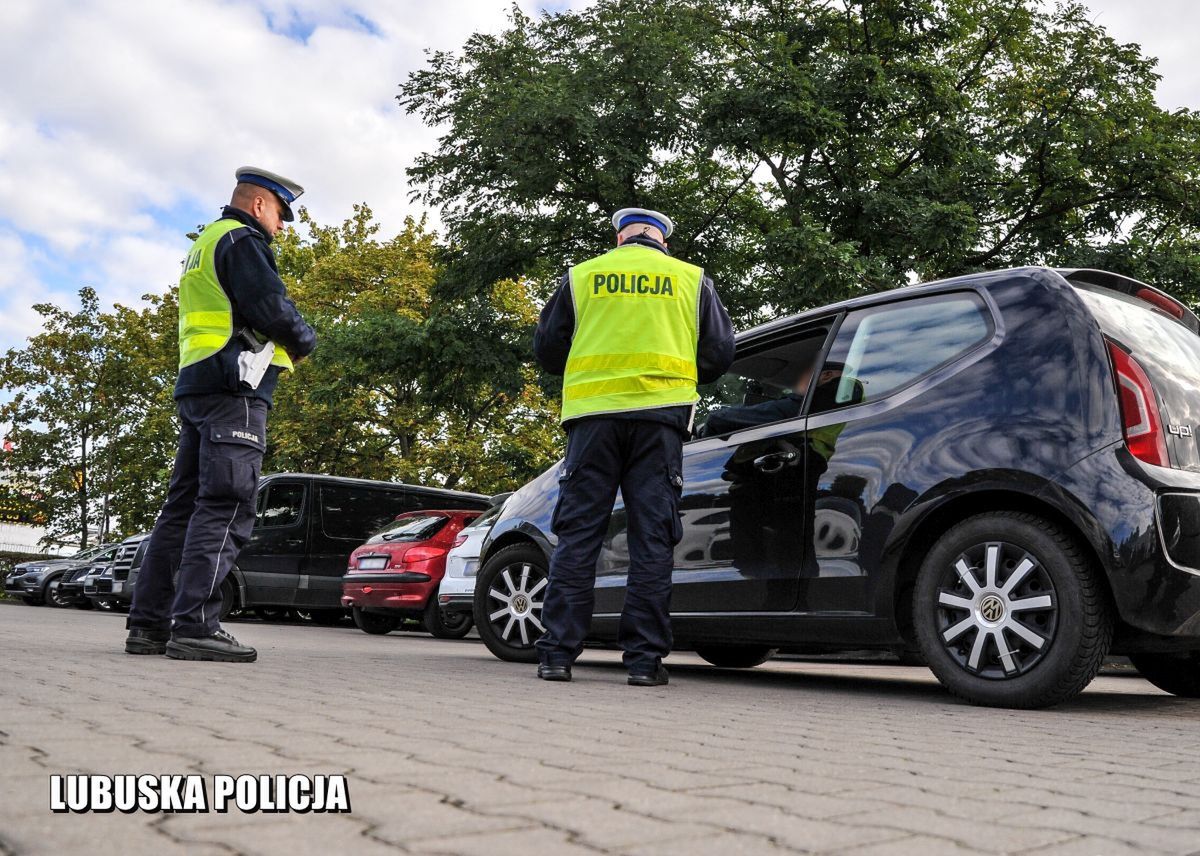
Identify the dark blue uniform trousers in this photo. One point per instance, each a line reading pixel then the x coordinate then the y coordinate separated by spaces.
pixel 207 517
pixel 644 460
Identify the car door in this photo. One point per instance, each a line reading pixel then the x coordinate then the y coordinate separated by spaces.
pixel 744 494
pixel 862 427
pixel 347 515
pixel 271 560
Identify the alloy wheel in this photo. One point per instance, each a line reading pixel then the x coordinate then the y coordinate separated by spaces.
pixel 997 610
pixel 519 590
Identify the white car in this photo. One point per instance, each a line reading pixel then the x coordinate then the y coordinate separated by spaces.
pixel 456 592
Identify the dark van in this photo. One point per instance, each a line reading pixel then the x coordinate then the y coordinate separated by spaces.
pixel 307 526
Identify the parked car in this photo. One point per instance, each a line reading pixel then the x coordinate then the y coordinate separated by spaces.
pixel 1005 471
pixel 125 565
pixel 306 528
pixel 70 585
pixel 395 575
pixel 89 590
pixel 39 581
pixel 456 593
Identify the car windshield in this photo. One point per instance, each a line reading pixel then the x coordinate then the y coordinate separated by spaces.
pixel 418 528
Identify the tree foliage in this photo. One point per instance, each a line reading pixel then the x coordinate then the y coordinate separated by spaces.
pixel 407 383
pixel 91 413
pixel 810 150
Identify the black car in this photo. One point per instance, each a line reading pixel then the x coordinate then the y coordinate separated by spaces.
pixel 1000 471
pixel 128 558
pixel 306 528
pixel 42 581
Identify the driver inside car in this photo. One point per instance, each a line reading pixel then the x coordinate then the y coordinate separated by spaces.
pixel 726 420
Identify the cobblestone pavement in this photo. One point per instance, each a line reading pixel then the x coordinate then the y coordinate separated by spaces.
pixel 448 750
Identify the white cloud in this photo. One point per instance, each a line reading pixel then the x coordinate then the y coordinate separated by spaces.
pixel 124 119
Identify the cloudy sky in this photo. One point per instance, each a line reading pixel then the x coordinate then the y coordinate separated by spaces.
pixel 121 121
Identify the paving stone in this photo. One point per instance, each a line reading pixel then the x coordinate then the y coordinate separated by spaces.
pixel 448 750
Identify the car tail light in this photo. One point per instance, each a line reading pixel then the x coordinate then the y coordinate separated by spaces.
pixel 1167 304
pixel 1139 409
pixel 413 555
pixel 460 539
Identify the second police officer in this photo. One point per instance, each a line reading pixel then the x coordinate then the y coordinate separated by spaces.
pixel 237 331
pixel 633 332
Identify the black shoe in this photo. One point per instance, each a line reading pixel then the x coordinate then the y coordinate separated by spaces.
pixel 141 641
pixel 658 678
pixel 220 647
pixel 554 673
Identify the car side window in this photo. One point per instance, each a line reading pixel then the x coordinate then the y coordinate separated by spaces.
pixel 765 384
pixel 882 349
pixel 280 505
pixel 355 513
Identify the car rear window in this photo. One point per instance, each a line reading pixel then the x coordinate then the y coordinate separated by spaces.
pixel 1170 355
pixel 420 528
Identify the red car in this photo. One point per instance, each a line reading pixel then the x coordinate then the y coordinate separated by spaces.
pixel 395 575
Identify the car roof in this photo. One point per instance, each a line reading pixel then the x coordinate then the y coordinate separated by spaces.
pixel 352 482
pixel 898 293
pixel 1082 276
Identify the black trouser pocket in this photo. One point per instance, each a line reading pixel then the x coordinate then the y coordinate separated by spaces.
pixel 233 461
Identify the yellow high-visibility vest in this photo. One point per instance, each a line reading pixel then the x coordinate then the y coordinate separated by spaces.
pixel 205 313
pixel 636 333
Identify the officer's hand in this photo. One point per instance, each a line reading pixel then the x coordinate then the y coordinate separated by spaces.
pixel 296 360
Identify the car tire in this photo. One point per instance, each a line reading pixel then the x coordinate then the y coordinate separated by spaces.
pixel 51 596
pixel 376 623
pixel 975 582
pixel 272 613
pixel 229 597
pixel 443 625
pixel 1175 673
pixel 509 629
pixel 735 656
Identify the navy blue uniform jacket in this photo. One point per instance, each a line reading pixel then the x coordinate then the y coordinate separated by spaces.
pixel 246 270
pixel 714 354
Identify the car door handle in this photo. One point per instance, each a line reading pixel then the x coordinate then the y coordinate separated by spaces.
pixel 774 462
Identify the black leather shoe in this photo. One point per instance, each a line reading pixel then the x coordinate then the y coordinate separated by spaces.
pixel 658 678
pixel 146 641
pixel 220 647
pixel 554 673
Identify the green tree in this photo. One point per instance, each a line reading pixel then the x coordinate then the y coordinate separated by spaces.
pixel 406 383
pixel 810 150
pixel 61 416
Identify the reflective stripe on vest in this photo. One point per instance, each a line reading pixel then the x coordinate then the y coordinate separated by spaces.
pixel 205 313
pixel 636 332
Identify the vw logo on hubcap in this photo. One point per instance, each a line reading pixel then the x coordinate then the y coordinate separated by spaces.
pixel 991 608
pixel 520 604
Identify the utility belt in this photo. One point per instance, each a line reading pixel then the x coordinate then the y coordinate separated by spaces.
pixel 254 361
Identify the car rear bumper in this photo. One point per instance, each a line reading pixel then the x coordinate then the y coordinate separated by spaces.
pixel 456 602
pixel 387 594
pixel 1116 501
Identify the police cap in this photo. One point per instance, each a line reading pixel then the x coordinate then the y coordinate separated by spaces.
pixel 286 189
pixel 626 216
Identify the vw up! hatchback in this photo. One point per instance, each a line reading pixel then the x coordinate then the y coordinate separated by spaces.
pixel 1000 470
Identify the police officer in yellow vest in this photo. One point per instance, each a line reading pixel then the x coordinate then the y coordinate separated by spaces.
pixel 237 332
pixel 632 331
